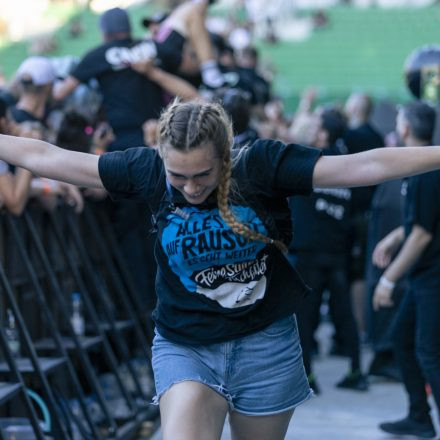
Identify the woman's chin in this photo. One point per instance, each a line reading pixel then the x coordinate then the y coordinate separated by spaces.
pixel 195 200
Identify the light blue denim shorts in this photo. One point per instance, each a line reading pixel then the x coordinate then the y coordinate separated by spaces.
pixel 259 374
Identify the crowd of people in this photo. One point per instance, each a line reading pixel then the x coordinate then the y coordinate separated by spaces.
pixel 372 254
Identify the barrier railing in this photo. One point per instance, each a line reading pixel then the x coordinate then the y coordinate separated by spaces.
pixel 96 383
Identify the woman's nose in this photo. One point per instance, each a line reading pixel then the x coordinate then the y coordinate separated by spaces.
pixel 190 187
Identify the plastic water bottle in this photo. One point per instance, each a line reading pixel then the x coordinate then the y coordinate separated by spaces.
pixel 77 317
pixel 12 335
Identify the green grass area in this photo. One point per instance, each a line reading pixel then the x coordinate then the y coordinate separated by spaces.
pixel 12 54
pixel 361 49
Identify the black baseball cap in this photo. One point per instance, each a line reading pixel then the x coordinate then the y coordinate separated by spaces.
pixel 156 18
pixel 114 21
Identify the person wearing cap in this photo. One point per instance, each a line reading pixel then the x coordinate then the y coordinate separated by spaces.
pixel 153 22
pixel 35 78
pixel 125 72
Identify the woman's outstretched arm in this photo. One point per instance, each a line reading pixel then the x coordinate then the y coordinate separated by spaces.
pixel 47 160
pixel 374 166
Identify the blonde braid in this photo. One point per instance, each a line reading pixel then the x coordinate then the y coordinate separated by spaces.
pixel 165 121
pixel 228 216
pixel 196 130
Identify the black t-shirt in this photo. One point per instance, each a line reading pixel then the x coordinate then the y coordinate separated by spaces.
pixel 423 208
pixel 129 98
pixel 321 222
pixel 213 285
pixel 19 115
pixel 170 45
pixel 357 140
pixel 254 83
pixel 362 138
pixel 387 214
pixel 247 137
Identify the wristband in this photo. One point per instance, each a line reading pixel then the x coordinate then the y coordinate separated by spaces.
pixel 385 282
pixel 98 151
pixel 47 189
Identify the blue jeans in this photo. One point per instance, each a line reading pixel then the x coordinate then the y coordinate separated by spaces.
pixel 416 334
pixel 258 374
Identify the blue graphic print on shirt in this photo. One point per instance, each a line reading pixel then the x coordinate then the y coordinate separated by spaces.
pixel 210 259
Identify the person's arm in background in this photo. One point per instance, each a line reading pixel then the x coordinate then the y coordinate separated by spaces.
pixel 198 35
pixel 14 190
pixel 387 247
pixel 172 84
pixel 374 166
pixel 412 249
pixel 47 191
pixel 44 159
pixel 64 88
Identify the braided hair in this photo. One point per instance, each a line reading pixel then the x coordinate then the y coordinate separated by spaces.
pixel 186 126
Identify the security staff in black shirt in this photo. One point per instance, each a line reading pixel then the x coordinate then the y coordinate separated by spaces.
pixel 360 136
pixel 417 324
pixel 386 214
pixel 321 227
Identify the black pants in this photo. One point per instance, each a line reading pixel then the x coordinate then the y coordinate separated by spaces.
pixel 380 321
pixel 132 223
pixel 416 335
pixel 329 272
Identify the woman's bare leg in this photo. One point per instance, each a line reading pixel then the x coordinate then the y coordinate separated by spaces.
pixel 192 411
pixel 259 427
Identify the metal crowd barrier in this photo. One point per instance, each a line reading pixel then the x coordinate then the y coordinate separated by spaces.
pixel 65 383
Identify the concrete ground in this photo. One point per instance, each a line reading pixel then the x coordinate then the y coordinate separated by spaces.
pixel 342 414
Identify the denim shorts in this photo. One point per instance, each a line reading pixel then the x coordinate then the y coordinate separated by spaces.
pixel 259 374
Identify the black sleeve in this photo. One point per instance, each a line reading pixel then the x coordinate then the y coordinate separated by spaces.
pixel 280 170
pixel 91 66
pixel 134 173
pixel 426 208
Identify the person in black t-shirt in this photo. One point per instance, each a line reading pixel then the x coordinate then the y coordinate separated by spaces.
pixel 247 62
pixel 417 324
pixel 386 215
pixel 360 136
pixel 321 225
pixel 226 339
pixel 132 88
pixel 237 104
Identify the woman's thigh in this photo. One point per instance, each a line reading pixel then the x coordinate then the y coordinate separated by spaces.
pixel 272 427
pixel 192 411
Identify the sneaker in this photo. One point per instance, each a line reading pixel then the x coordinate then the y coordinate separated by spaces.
pixel 390 372
pixel 408 426
pixel 354 381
